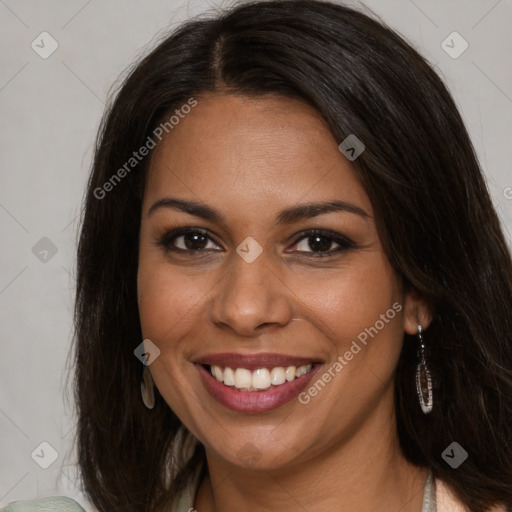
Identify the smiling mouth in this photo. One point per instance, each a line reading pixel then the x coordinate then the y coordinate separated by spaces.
pixel 260 379
pixel 255 383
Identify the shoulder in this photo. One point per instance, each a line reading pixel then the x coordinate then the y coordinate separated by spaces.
pixel 50 504
pixel 447 501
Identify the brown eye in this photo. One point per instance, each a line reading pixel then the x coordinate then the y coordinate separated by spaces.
pixel 320 242
pixel 187 240
pixel 192 241
pixel 317 243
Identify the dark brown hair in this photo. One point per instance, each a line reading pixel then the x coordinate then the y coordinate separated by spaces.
pixel 435 218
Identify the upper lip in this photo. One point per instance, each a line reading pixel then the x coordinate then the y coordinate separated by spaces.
pixel 254 361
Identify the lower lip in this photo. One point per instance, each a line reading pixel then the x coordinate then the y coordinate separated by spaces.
pixel 254 401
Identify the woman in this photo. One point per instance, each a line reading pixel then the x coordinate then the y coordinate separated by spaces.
pixel 293 289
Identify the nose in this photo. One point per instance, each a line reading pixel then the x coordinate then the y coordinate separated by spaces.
pixel 252 298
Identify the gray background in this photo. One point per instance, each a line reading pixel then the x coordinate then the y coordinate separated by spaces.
pixel 51 109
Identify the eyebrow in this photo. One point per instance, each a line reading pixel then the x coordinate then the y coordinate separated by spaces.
pixel 286 216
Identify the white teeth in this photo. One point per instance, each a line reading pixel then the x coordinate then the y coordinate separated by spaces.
pixel 302 370
pixel 259 379
pixel 243 378
pixel 217 373
pixel 290 373
pixel 229 377
pixel 277 376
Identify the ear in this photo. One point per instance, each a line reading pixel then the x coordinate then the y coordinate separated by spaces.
pixel 416 311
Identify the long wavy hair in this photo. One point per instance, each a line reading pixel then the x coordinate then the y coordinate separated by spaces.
pixel 434 216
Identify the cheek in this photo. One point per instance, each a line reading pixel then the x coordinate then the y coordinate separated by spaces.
pixel 169 310
pixel 349 300
pixel 169 300
pixel 359 312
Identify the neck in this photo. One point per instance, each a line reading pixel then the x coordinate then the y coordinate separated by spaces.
pixel 363 473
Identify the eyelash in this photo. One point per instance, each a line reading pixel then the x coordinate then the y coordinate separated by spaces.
pixel 344 243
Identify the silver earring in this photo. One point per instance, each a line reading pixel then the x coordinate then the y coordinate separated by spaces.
pixel 147 388
pixel 423 377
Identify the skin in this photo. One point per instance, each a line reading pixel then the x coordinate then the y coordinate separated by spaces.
pixel 249 158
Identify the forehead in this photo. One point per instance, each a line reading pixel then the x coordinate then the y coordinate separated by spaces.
pixel 240 151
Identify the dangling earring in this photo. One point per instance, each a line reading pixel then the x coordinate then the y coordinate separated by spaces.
pixel 423 378
pixel 147 388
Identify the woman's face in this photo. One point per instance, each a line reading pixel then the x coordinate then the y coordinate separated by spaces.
pixel 249 289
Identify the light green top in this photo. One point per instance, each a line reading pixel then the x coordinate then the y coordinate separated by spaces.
pixel 185 502
pixel 51 504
